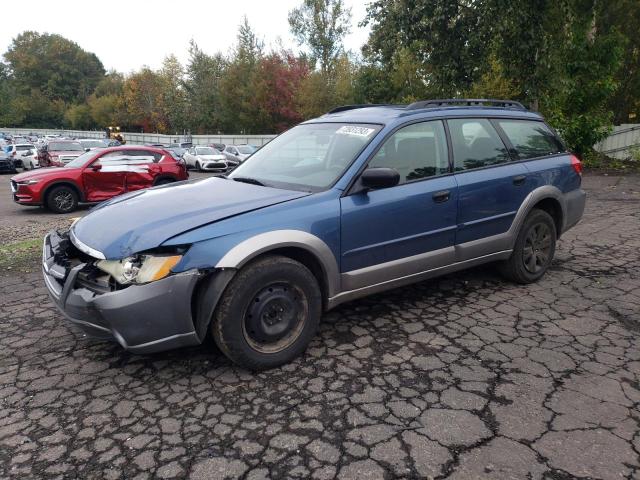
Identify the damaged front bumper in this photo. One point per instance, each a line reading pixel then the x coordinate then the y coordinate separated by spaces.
pixel 145 318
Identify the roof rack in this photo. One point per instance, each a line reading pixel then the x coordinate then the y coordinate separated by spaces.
pixel 466 102
pixel 344 108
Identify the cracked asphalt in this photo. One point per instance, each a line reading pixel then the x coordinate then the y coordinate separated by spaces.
pixel 466 376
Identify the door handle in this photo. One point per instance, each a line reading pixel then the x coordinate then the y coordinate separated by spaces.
pixel 441 196
pixel 519 180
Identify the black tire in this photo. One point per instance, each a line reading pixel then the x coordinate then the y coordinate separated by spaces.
pixel 62 199
pixel 268 313
pixel 164 181
pixel 534 249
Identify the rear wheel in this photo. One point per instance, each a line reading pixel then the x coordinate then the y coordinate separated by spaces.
pixel 268 314
pixel 62 199
pixel 534 249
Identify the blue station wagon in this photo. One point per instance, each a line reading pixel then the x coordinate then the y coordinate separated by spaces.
pixel 361 200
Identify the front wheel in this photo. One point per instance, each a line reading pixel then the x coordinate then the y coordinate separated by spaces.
pixel 534 249
pixel 268 314
pixel 62 199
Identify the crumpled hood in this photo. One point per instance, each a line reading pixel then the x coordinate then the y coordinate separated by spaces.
pixel 145 219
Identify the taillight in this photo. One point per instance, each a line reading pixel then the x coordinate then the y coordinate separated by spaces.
pixel 576 164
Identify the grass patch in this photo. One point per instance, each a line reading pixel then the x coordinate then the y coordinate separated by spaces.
pixel 20 257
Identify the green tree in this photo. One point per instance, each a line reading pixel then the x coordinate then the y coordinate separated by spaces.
pixel 143 96
pixel 321 25
pixel 174 95
pixel 53 65
pixel 238 109
pixel 202 90
pixel 79 117
pixel 443 40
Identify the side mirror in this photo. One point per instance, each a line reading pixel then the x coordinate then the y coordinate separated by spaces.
pixel 96 167
pixel 87 149
pixel 380 177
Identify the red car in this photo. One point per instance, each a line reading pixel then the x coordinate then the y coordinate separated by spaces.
pixel 97 175
pixel 57 153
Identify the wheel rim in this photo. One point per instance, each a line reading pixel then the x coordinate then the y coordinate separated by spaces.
pixel 536 253
pixel 63 200
pixel 275 317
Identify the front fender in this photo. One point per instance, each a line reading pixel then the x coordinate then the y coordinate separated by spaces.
pixel 264 242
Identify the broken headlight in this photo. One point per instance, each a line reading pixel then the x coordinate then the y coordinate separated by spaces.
pixel 139 268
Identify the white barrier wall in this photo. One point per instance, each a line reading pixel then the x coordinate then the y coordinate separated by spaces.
pixel 142 138
pixel 622 140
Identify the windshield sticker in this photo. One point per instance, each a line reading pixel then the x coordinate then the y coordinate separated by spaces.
pixel 358 131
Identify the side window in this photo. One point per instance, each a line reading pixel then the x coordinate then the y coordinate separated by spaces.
pixel 475 144
pixel 415 151
pixel 114 158
pixel 530 138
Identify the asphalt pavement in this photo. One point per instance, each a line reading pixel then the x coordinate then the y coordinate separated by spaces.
pixel 466 376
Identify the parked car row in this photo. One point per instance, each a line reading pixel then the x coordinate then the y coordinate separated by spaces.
pixel 89 171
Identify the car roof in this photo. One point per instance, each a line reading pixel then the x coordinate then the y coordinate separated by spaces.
pixel 426 109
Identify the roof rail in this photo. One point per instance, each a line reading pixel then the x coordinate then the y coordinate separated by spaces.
pixel 466 102
pixel 352 107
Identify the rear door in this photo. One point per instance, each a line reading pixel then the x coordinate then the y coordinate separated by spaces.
pixel 399 231
pixel 541 152
pixel 491 187
pixel 142 169
pixel 106 177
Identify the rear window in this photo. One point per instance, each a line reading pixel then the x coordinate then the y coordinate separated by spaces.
pixel 25 147
pixel 530 139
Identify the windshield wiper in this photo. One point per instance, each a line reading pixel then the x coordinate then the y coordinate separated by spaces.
pixel 252 181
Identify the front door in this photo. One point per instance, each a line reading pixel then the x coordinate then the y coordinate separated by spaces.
pixel 403 230
pixel 106 177
pixel 142 169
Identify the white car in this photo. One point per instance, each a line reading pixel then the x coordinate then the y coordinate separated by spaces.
pixel 208 159
pixel 91 143
pixel 25 155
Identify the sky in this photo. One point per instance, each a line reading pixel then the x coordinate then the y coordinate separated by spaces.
pixel 125 35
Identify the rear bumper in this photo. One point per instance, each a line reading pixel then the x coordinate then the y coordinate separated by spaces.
pixel 574 208
pixel 142 318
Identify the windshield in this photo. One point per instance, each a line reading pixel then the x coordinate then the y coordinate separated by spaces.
pixel 246 149
pixel 206 151
pixel 308 157
pixel 92 143
pixel 80 160
pixel 65 147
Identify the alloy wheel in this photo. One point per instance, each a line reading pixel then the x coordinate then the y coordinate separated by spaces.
pixel 537 248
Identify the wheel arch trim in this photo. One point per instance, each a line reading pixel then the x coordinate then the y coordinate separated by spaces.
pixel 250 248
pixel 61 183
pixel 531 200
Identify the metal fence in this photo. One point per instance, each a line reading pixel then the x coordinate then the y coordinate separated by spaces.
pixel 621 142
pixel 142 138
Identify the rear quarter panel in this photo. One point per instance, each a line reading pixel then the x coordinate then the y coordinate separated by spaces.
pixel 554 170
